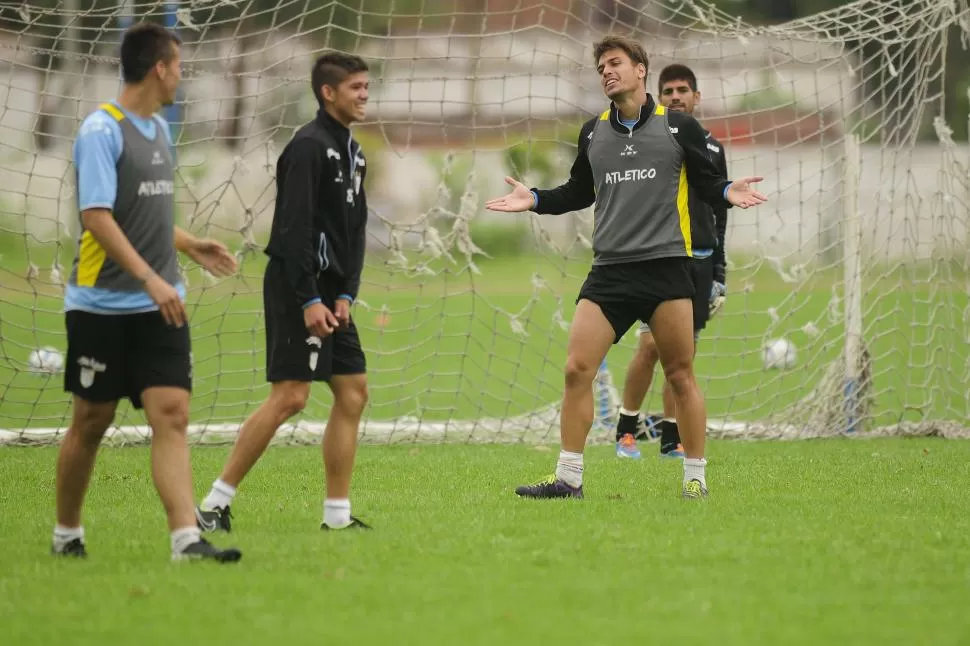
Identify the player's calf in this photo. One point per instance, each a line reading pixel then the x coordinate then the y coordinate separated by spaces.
pixel 286 399
pixel 340 448
pixel 75 461
pixel 590 338
pixel 692 423
pixel 76 457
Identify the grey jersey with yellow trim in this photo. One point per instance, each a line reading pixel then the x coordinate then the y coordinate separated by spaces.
pixel 144 209
pixel 641 209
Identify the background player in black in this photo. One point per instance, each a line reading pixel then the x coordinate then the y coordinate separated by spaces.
pixel 316 251
pixel 678 91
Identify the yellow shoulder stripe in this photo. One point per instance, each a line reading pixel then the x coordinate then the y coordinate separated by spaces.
pixel 660 109
pixel 605 116
pixel 113 111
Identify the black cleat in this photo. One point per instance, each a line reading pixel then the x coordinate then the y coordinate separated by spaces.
pixel 214 520
pixel 203 550
pixel 355 523
pixel 74 547
pixel 550 487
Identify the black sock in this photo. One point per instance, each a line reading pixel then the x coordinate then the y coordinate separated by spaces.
pixel 669 435
pixel 627 424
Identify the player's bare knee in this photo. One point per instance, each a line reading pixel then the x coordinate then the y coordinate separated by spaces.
pixel 353 401
pixel 292 404
pixel 91 420
pixel 579 371
pixel 172 415
pixel 358 396
pixel 291 398
pixel 351 393
pixel 680 378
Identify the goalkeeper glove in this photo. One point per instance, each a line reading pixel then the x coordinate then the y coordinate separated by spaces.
pixel 718 296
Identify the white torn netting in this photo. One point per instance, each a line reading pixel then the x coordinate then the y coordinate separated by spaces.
pixel 861 259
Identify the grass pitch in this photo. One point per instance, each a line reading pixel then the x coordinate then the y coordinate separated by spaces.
pixel 836 541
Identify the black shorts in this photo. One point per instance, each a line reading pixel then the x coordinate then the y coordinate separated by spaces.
pixel 113 356
pixel 292 354
pixel 632 291
pixel 702 273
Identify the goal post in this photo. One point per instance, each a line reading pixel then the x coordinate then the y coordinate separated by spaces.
pixel 860 259
pixel 852 278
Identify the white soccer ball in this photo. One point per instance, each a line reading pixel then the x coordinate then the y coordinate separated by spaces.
pixel 46 360
pixel 779 354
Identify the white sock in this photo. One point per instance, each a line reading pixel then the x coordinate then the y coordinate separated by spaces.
pixel 336 512
pixel 220 496
pixel 182 538
pixel 629 413
pixel 694 470
pixel 570 468
pixel 64 535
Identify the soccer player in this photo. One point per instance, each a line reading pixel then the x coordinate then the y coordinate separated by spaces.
pixel 678 92
pixel 316 254
pixel 127 330
pixel 635 162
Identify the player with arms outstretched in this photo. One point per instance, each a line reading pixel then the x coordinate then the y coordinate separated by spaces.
pixel 127 330
pixel 316 254
pixel 635 162
pixel 678 92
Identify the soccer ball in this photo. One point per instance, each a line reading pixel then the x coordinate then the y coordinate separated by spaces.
pixel 779 354
pixel 46 360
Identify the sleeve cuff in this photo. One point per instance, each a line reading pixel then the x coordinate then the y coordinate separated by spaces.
pixel 312 301
pixel 535 199
pixel 97 205
pixel 346 297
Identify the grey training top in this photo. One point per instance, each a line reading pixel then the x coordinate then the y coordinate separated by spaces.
pixel 144 209
pixel 641 210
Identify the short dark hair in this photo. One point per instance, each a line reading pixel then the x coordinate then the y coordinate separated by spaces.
pixel 632 48
pixel 677 72
pixel 332 68
pixel 144 45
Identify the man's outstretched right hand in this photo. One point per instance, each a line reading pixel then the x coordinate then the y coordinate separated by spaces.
pixel 520 199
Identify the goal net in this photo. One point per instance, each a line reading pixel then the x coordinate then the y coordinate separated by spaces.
pixel 859 260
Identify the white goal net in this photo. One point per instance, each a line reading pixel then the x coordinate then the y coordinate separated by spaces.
pixel 861 259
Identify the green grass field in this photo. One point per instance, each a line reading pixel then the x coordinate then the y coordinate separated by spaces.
pixel 837 541
pixel 442 345
pixel 841 541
